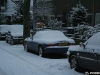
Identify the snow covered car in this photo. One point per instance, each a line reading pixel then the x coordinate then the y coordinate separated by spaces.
pixel 48 41
pixel 15 34
pixel 86 55
pixel 3 30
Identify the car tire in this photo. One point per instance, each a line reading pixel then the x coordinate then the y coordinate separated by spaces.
pixel 26 47
pixel 40 51
pixel 6 40
pixel 12 42
pixel 73 63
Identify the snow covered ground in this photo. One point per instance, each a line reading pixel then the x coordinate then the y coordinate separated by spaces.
pixel 15 61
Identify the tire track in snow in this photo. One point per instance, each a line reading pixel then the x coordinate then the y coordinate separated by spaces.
pixel 2 72
pixel 26 61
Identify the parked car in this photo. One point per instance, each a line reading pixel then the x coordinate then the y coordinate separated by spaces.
pixel 3 30
pixel 86 55
pixel 15 34
pixel 48 41
pixel 70 32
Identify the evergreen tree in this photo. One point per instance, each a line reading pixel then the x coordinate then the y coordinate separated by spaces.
pixel 78 15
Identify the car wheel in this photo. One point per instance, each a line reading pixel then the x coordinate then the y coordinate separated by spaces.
pixel 74 63
pixel 26 47
pixel 12 42
pixel 40 51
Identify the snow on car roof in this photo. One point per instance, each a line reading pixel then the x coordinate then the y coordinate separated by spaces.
pixel 51 36
pixel 4 28
pixel 50 33
pixel 16 28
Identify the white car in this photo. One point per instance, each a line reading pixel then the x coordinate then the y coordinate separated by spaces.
pixel 15 34
pixel 48 41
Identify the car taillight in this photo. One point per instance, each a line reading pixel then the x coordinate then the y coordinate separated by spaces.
pixel 50 44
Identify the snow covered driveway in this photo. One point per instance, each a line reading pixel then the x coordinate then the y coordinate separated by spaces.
pixel 15 61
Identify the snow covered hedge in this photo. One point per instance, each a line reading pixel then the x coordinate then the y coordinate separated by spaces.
pixel 85 31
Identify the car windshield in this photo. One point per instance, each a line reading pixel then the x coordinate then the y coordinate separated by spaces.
pixel 49 34
pixel 94 40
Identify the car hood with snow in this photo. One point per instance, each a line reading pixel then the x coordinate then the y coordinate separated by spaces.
pixel 93 43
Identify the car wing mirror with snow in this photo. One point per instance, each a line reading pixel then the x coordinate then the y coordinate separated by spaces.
pixel 31 36
pixel 82 45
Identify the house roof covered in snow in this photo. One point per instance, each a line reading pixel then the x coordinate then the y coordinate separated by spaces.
pixel 10 8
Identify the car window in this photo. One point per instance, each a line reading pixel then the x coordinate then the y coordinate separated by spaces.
pixel 52 34
pixel 49 34
pixel 37 35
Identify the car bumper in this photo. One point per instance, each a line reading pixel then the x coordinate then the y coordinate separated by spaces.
pixel 56 49
pixel 2 35
pixel 18 41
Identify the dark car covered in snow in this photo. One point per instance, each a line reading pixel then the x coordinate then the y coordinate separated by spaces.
pixel 48 41
pixel 15 34
pixel 86 55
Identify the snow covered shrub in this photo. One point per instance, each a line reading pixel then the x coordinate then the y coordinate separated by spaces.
pixel 86 31
pixel 2 19
pixel 17 18
pixel 54 23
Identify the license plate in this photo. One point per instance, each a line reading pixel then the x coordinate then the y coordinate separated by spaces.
pixel 21 41
pixel 63 44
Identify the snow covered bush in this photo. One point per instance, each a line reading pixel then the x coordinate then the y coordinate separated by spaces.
pixel 85 31
pixel 78 15
pixel 18 16
pixel 2 19
pixel 54 23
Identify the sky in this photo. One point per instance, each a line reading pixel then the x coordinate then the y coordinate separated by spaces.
pixel 31 2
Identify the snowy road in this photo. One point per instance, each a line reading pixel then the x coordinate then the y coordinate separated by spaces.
pixel 15 61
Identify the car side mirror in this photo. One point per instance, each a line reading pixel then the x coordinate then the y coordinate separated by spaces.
pixel 31 37
pixel 82 45
pixel 9 32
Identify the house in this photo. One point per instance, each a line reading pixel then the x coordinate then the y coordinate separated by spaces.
pixel 3 5
pixel 62 10
pixel 7 8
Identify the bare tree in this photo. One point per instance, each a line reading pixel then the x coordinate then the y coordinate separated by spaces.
pixel 43 9
pixel 26 18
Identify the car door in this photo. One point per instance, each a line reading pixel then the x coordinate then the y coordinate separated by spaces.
pixel 88 57
pixel 32 44
pixel 98 58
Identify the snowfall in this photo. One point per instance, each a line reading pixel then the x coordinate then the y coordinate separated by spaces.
pixel 15 61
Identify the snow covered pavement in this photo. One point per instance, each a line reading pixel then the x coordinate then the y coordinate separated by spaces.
pixel 15 61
